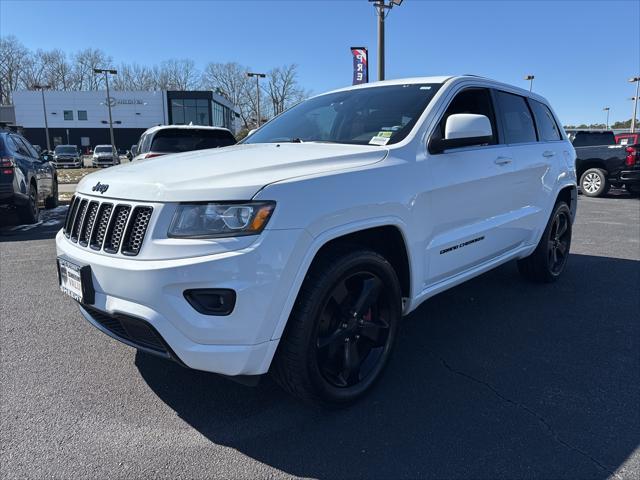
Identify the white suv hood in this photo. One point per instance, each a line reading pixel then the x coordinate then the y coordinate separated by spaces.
pixel 231 173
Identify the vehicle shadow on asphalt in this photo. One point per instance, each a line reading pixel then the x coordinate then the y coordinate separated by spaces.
pixel 496 378
pixel 48 225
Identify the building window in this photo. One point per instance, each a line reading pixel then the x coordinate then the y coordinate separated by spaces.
pixel 68 114
pixel 82 115
pixel 218 114
pixel 190 110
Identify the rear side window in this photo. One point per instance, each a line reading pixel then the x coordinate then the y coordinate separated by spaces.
pixel 516 118
pixel 547 127
pixel 593 139
pixel 187 140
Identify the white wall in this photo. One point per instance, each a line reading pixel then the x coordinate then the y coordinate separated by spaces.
pixel 133 109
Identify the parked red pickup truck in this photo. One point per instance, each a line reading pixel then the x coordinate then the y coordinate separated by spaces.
pixel 628 139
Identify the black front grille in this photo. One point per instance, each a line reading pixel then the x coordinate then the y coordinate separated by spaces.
pixel 103 216
pixel 136 231
pixel 89 220
pixel 135 331
pixel 108 227
pixel 116 228
pixel 79 220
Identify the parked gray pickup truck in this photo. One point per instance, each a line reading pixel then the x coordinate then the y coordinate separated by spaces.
pixel 601 163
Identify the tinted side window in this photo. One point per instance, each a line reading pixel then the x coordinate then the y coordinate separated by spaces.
pixel 593 139
pixel 547 127
pixel 516 118
pixel 472 100
pixel 32 151
pixel 19 146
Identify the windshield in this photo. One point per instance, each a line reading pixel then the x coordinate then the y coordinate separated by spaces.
pixel 65 149
pixel 106 149
pixel 363 116
pixel 186 140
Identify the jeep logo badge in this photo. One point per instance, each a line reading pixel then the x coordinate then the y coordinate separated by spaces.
pixel 100 187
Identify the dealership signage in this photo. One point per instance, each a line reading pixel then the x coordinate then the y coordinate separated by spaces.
pixel 360 65
pixel 112 101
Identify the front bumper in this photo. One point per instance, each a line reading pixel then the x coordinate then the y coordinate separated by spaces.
pixel 241 343
pixel 67 163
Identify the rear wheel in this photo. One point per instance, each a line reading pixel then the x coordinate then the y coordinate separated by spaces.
pixel 593 182
pixel 342 328
pixel 30 212
pixel 52 201
pixel 549 259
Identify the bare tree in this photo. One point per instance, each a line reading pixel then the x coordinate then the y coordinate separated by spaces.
pixel 134 77
pixel 13 55
pixel 283 88
pixel 180 74
pixel 230 80
pixel 84 63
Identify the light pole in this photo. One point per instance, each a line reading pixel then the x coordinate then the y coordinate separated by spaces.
pixel 530 78
pixel 635 103
pixel 607 109
pixel 381 6
pixel 258 77
pixel 42 88
pixel 106 79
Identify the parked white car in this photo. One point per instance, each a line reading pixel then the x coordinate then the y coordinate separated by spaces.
pixel 166 139
pixel 299 250
pixel 105 156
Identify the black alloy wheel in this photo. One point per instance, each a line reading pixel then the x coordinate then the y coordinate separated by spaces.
pixel 341 331
pixel 353 331
pixel 559 241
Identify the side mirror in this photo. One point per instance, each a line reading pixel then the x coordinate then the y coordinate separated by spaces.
pixel 463 130
pixel 134 150
pixel 45 157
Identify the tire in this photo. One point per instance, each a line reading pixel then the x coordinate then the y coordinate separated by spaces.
pixel 52 201
pixel 547 262
pixel 328 355
pixel 594 183
pixel 633 189
pixel 30 213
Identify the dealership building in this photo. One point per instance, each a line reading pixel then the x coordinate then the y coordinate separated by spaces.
pixel 82 118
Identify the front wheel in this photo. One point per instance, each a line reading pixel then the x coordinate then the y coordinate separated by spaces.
pixel 593 182
pixel 549 259
pixel 342 329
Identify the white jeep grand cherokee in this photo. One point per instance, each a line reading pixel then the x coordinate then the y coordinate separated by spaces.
pixel 299 250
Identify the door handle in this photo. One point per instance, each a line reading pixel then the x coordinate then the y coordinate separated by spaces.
pixel 548 153
pixel 502 161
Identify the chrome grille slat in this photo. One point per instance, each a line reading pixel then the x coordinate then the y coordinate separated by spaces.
pixel 106 226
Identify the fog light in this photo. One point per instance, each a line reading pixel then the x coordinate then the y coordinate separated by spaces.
pixel 211 301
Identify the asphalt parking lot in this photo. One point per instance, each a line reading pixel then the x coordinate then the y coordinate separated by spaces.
pixel 496 378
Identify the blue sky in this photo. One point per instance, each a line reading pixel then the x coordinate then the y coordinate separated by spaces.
pixel 581 52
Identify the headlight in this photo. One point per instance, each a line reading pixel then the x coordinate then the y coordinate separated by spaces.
pixel 210 220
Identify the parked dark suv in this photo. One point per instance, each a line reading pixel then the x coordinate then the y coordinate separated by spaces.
pixel 67 156
pixel 26 179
